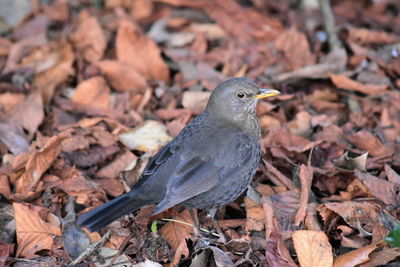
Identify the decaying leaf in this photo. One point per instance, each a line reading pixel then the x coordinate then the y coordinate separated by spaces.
pixel 36 233
pixel 312 248
pixel 149 136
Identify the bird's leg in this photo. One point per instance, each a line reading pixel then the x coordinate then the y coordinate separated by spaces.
pixel 196 224
pixel 211 215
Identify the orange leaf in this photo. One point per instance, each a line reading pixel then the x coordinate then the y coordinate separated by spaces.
pixel 93 92
pixel 312 248
pixel 36 228
pixel 121 76
pixel 175 232
pixel 37 165
pixel 140 52
pixel 344 82
pixel 354 257
pixel 89 38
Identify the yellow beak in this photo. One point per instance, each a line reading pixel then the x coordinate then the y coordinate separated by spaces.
pixel 266 93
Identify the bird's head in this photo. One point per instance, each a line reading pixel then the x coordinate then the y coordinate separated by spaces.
pixel 236 99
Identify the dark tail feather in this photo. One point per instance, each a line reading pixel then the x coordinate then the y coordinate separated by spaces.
pixel 105 214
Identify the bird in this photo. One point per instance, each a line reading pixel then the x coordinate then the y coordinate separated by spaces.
pixel 208 164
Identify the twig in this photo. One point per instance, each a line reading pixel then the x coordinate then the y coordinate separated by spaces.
pixel 329 24
pixel 91 249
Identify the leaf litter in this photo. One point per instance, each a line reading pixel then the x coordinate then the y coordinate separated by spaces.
pixel 90 91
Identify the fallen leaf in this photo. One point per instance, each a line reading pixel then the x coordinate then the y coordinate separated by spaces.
pixel 354 213
pixel 371 37
pixel 343 82
pixel 306 177
pixel 384 190
pixel 349 163
pixel 113 187
pixel 37 165
pixel 254 215
pixel 52 64
pixel 140 52
pixel 301 124
pixel 89 38
pixel 5 250
pixel 354 257
pixel 19 49
pixel 217 258
pixel 370 143
pixel 13 138
pixel 93 92
pixel 312 248
pixel 382 257
pixel 5 46
pixel 9 100
pixel 392 176
pixel 195 101
pixel 36 233
pixel 5 189
pixel 29 114
pixel 175 232
pixel 95 155
pixel 122 162
pixel 295 47
pixel 121 76
pixel 150 136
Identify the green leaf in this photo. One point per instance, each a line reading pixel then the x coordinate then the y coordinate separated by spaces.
pixel 394 237
pixel 154 227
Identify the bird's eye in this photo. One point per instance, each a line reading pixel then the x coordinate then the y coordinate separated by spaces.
pixel 241 94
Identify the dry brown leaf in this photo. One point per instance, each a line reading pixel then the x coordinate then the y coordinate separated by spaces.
pixel 119 164
pixel 13 137
pixel 370 143
pixel 295 47
pixel 276 252
pixel 5 189
pixel 175 232
pixel 354 257
pixel 140 52
pixel 121 76
pixel 290 142
pixel 392 176
pixel 371 37
pixel 382 257
pixel 301 124
pixel 21 48
pixel 195 101
pixel 306 176
pixel 254 215
pixel 36 229
pixel 113 187
pixel 9 100
pixel 181 250
pixel 5 46
pixel 89 38
pixel 354 213
pixel 30 113
pixel 344 82
pixel 52 64
pixel 312 248
pixel 93 92
pixel 384 190
pixel 37 165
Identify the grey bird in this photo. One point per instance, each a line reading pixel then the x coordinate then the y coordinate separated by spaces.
pixel 209 164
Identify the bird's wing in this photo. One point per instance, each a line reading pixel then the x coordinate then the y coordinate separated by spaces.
pixel 196 173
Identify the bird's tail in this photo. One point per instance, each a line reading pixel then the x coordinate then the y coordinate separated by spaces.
pixel 105 214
